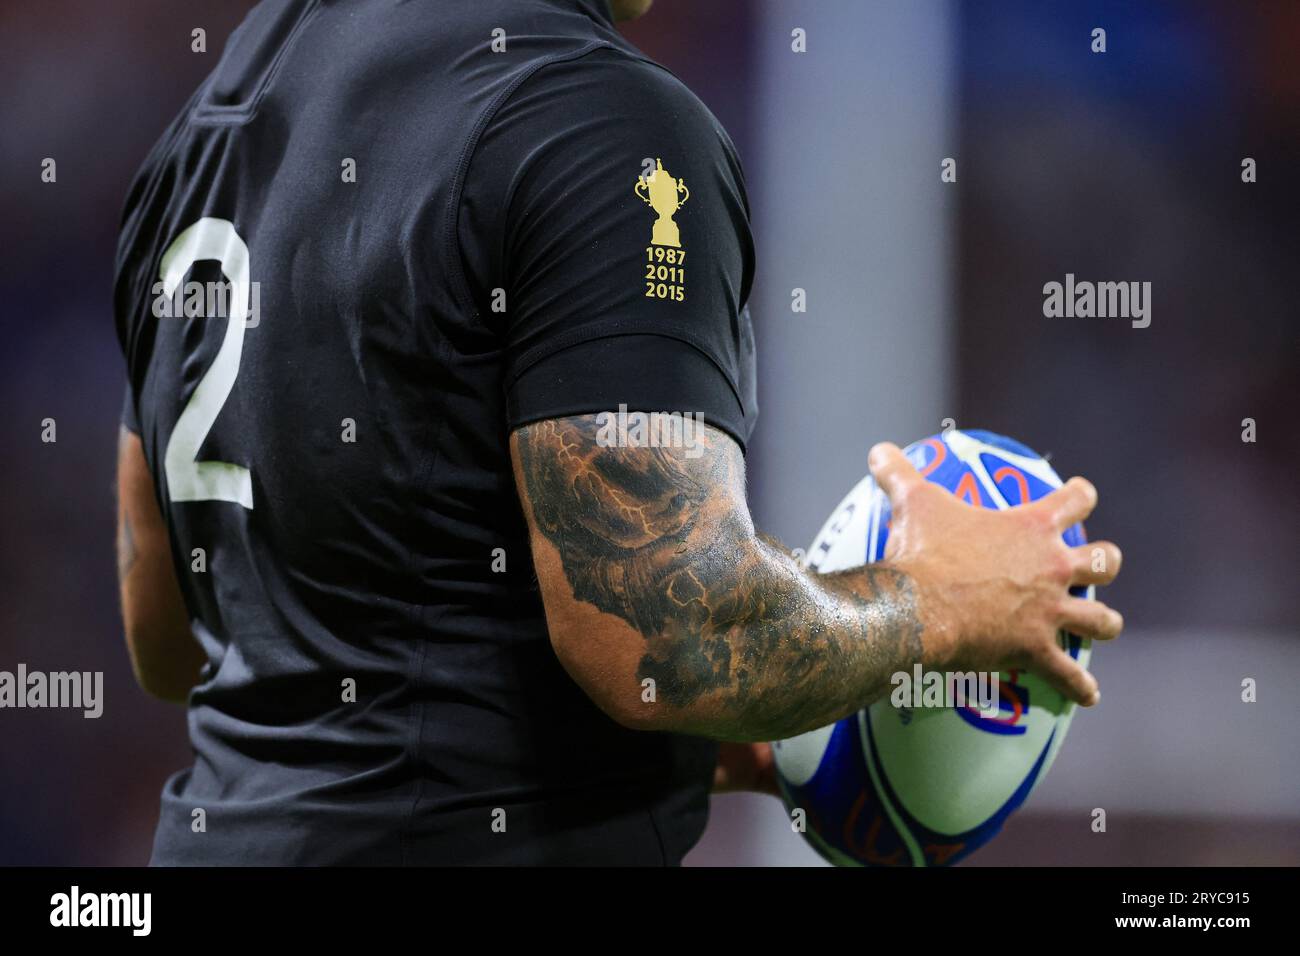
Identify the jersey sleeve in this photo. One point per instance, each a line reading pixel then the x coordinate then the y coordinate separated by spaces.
pixel 604 231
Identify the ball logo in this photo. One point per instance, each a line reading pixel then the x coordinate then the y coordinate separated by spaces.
pixel 927 463
pixel 862 835
pixel 1013 705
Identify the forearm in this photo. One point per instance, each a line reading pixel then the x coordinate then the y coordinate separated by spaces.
pixel 670 610
pixel 766 650
pixel 164 654
pixel 672 613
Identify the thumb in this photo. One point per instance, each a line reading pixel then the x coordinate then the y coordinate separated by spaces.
pixel 893 472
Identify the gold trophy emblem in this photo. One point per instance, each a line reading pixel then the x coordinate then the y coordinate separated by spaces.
pixel 659 191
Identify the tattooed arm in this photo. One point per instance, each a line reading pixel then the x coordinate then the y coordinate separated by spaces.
pixel 651 570
pixel 164 654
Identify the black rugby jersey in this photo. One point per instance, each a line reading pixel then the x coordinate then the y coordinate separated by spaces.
pixel 411 227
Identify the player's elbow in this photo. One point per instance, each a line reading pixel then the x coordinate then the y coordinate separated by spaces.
pixel 165 656
pixel 163 687
pixel 635 716
pixel 165 668
pixel 605 664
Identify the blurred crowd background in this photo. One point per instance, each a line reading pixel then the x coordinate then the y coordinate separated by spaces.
pixel 924 302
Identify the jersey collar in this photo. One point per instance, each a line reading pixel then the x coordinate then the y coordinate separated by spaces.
pixel 596 9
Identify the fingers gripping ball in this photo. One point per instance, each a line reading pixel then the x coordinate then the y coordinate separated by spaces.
pixel 927 786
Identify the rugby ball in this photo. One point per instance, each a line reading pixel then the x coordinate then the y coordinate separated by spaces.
pixel 904 785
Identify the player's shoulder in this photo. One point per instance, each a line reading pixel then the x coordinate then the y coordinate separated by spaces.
pixel 624 76
pixel 619 96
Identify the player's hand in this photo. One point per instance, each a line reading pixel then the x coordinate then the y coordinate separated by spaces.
pixel 992 586
pixel 745 767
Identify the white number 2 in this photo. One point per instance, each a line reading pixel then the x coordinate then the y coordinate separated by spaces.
pixel 188 479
